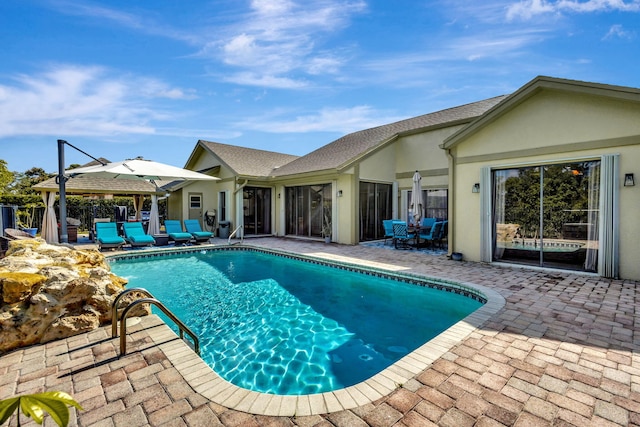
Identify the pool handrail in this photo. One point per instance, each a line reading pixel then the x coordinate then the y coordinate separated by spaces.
pixel 240 227
pixel 150 300
pixel 114 307
pixel 183 328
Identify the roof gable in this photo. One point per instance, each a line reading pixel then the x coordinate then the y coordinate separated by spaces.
pixel 534 87
pixel 247 161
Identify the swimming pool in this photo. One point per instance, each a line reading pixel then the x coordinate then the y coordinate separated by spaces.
pixel 282 325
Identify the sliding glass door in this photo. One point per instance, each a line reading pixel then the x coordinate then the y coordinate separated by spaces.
pixel 375 206
pixel 308 209
pixel 256 205
pixel 547 215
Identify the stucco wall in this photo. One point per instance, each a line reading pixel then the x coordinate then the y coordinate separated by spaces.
pixel 551 118
pixel 422 151
pixel 380 166
pixel 551 127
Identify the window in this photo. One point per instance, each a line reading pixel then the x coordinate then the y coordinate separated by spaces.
pixel 195 201
pixel 435 204
pixel 222 206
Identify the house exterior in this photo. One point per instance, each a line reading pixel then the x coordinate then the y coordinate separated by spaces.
pixel 344 189
pixel 549 161
pixel 583 136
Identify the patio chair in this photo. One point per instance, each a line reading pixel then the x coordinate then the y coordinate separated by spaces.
pixel 401 235
pixel 174 230
pixel 107 236
pixel 387 224
pixel 192 226
pixel 15 234
pixel 427 223
pixel 136 236
pixel 433 235
pixel 444 234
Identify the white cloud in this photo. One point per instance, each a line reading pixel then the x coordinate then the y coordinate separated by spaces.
pixel 618 32
pixel 277 42
pixel 81 101
pixel 528 9
pixel 142 23
pixel 263 80
pixel 283 38
pixel 343 120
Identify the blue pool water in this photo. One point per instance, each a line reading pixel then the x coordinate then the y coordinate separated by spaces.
pixel 278 325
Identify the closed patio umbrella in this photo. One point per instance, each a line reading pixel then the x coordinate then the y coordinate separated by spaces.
pixel 154 217
pixel 49 223
pixel 416 203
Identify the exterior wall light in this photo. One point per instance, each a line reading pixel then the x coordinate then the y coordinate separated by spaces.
pixel 339 193
pixel 628 180
pixel 476 188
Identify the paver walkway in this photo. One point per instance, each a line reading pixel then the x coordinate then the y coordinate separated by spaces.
pixel 564 351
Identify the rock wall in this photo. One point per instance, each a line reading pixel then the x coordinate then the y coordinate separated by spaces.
pixel 50 292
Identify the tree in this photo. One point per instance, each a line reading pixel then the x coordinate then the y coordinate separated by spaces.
pixel 6 177
pixel 24 181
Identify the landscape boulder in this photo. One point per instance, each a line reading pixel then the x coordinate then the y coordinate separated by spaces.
pixel 49 292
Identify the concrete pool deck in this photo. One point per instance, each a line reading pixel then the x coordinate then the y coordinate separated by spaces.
pixel 564 350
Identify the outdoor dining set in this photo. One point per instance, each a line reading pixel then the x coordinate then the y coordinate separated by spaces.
pixel 428 232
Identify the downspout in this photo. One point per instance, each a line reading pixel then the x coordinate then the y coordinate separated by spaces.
pixel 451 202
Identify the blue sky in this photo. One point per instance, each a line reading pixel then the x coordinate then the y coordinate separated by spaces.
pixel 120 79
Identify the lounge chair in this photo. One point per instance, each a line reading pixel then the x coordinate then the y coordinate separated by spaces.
pixel 136 236
pixel 401 235
pixel 95 221
pixel 107 236
pixel 433 235
pixel 174 230
pixel 193 227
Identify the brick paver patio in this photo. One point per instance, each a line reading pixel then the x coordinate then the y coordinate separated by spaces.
pixel 563 351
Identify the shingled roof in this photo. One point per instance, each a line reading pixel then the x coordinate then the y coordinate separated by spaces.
pixel 92 185
pixel 248 161
pixel 348 148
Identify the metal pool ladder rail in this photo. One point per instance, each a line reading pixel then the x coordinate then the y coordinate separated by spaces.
pixel 240 227
pixel 150 300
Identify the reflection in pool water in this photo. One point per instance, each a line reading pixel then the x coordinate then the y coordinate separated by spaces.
pixel 279 325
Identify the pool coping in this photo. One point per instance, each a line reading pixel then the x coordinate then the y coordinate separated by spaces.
pixel 205 381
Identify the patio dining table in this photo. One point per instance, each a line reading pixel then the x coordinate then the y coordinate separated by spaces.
pixel 416 230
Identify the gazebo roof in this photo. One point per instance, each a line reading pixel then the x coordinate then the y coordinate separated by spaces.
pixel 92 185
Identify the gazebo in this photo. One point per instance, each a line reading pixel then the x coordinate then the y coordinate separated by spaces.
pixel 87 185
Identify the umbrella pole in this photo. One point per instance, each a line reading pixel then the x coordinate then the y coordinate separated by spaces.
pixel 62 189
pixel 62 180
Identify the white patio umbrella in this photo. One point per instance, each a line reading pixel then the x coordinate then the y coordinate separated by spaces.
pixel 416 203
pixel 140 168
pixel 49 223
pixel 148 170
